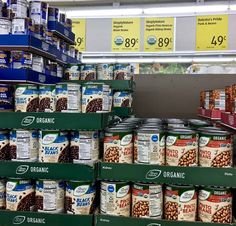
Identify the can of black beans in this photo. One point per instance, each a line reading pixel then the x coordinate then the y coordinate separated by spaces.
pixel 88 72
pixel 4 59
pixel 21 60
pixel 4 145
pixel 47 98
pixel 6 97
pixel 22 26
pixel 2 194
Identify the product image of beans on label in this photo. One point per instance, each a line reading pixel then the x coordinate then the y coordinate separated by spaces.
pixel 50 196
pixel 181 148
pixel 215 149
pixel 4 145
pixel 115 198
pixel 2 194
pixel 118 145
pixel 53 146
pixel 84 146
pixel 122 99
pixel 105 72
pixel 147 201
pixel 180 203
pixel 122 72
pixel 215 205
pixel 24 145
pixel 79 197
pixel 20 195
pixel 95 97
pixel 150 146
pixel 88 72
pixel 26 98
pixel 47 98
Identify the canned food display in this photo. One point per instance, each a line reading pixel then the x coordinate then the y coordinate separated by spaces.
pixel 95 97
pixel 88 72
pixel 26 98
pixel 215 148
pixel 22 26
pixel 147 201
pixel 47 98
pixel 105 72
pixel 122 99
pixel 4 59
pixel 53 146
pixel 80 197
pixel 4 145
pixel 20 195
pixel 181 148
pixel 49 196
pixel 180 203
pixel 115 198
pixel 6 97
pixel 122 72
pixel 2 194
pixel 118 145
pixel 24 145
pixel 21 60
pixel 215 205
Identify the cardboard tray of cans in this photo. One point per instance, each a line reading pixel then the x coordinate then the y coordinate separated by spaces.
pixel 225 177
pixel 57 171
pixel 11 218
pixel 63 121
pixel 62 31
pixel 228 120
pixel 102 220
pixel 26 76
pixel 209 114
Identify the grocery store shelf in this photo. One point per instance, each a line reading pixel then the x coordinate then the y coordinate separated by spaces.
pixel 117 221
pixel 26 75
pixel 209 114
pixel 228 120
pixel 167 174
pixel 90 121
pixel 31 218
pixel 62 31
pixel 122 111
pixel 57 171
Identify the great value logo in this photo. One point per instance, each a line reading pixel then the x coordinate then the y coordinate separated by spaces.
pixel 18 219
pixel 153 174
pixel 28 120
pixel 22 169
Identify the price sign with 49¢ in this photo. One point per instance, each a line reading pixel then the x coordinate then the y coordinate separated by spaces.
pixel 212 33
pixel 125 35
pixel 79 28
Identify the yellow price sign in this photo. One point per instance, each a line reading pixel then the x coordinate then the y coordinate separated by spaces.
pixel 126 35
pixel 212 32
pixel 159 34
pixel 79 28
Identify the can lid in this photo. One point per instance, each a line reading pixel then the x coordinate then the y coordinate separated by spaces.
pixel 119 129
pixel 150 129
pixel 175 121
pixel 218 132
pixel 181 131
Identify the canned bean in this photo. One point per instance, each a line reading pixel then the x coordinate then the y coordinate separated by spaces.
pixel 110 100
pixel 2 194
pixel 62 18
pixel 38 64
pixel 69 23
pixel 4 145
pixel 105 71
pixel 180 203
pixel 88 72
pixel 6 97
pixel 122 72
pixel 53 146
pixel 5 26
pixel 72 72
pixel 4 59
pixel 60 71
pixel 79 197
pixel 181 148
pixel 39 31
pixel 53 14
pixel 215 205
pixel 21 60
pixel 18 7
pixel 118 145
pixel 215 149
pixel 20 195
pixel 147 201
pixel 217 99
pixel 38 12
pixel 84 146
pixel 26 98
pixel 95 97
pixel 150 146
pixel 50 196
pixel 72 51
pixel 47 98
pixel 122 99
pixel 49 37
pixel 115 198
pixel 22 26
pixel 24 145
pixel 68 97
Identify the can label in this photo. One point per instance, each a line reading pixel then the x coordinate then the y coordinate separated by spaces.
pixel 118 147
pixel 122 99
pixel 21 60
pixel 122 72
pixel 39 12
pixel 147 201
pixel 215 150
pixel 22 26
pixel 38 64
pixel 115 199
pixel 50 196
pixel 24 145
pixel 105 72
pixel 4 59
pixel 88 72
pixel 6 97
pixel 73 73
pixel 5 26
pixel 79 197
pixel 53 14
pixel 53 146
pixel 4 145
pixel 215 206
pixel 19 195
pixel 2 194
pixel 47 98
pixel 181 150
pixel 19 8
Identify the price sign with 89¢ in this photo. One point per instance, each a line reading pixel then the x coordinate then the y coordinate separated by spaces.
pixel 126 35
pixel 212 33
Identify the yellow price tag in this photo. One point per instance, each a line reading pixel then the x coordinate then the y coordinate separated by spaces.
pixel 126 35
pixel 159 34
pixel 79 28
pixel 212 33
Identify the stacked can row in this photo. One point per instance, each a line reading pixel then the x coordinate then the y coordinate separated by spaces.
pixel 100 72
pixel 153 143
pixel 50 146
pixel 63 97
pixel 171 202
pixel 71 197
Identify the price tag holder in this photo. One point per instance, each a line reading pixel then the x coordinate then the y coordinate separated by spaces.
pixel 79 29
pixel 159 34
pixel 212 33
pixel 126 35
